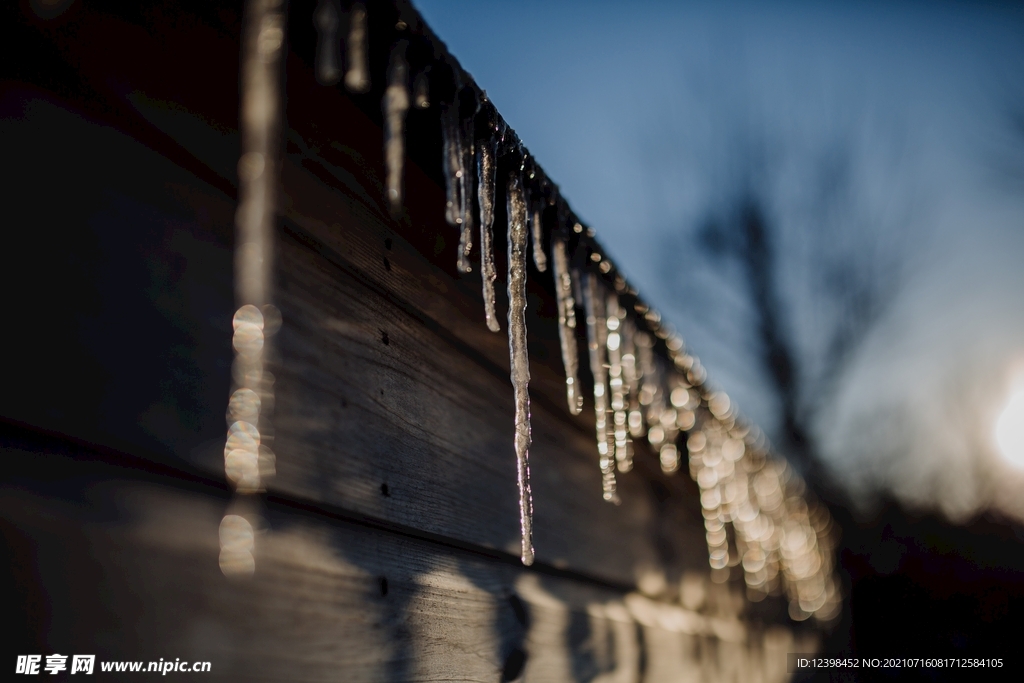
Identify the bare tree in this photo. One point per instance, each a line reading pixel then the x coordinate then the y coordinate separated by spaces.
pixel 854 261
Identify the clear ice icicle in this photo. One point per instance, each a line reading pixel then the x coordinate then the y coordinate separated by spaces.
pixel 597 333
pixel 396 105
pixel 616 383
pixel 451 160
pixel 357 77
pixel 326 21
pixel 631 376
pixel 485 197
pixel 467 148
pixel 566 323
pixel 454 161
pixel 518 354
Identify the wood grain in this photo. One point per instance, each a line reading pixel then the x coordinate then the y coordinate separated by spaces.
pixel 386 544
pixel 152 253
pixel 137 566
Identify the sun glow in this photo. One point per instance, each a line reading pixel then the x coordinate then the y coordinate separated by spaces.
pixel 1010 429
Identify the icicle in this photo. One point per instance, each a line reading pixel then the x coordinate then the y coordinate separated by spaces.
pixel 616 318
pixel 421 89
pixel 485 197
pixel 651 392
pixel 326 20
pixel 451 159
pixel 396 105
pixel 357 78
pixel 247 458
pixel 631 375
pixel 596 341
pixel 519 357
pixel 647 378
pixel 540 259
pixel 455 178
pixel 467 149
pixel 566 323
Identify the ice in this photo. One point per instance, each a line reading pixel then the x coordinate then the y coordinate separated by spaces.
pixel 457 143
pixel 357 77
pixel 485 198
pixel 326 21
pixel 540 258
pixel 615 317
pixel 566 323
pixel 451 131
pixel 518 353
pixel 597 333
pixel 396 105
pixel 421 89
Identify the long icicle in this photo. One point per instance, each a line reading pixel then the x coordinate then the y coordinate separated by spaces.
pixel 616 383
pixel 596 341
pixel 631 375
pixel 566 323
pixel 357 76
pixel 518 354
pixel 485 197
pixel 326 21
pixel 396 105
pixel 451 131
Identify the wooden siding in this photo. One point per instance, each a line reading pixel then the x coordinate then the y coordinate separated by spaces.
pixel 390 533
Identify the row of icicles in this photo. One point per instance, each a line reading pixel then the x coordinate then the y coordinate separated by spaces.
pixel 646 387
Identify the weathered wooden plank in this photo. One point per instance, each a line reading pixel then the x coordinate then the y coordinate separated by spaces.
pixel 448 467
pixel 355 415
pixel 330 599
pixel 393 407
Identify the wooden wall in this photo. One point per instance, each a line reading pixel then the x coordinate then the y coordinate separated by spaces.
pixel 388 540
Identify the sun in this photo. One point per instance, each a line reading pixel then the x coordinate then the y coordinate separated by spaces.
pixel 1010 430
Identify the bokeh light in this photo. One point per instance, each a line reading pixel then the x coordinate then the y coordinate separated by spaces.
pixel 1010 430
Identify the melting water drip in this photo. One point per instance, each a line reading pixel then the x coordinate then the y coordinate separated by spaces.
pixel 519 355
pixel 357 77
pixel 328 69
pixel 566 323
pixel 396 105
pixel 248 460
pixel 597 334
pixel 616 316
pixel 485 197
